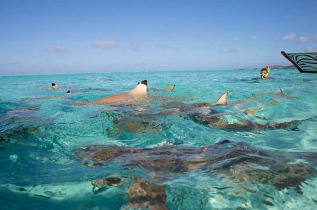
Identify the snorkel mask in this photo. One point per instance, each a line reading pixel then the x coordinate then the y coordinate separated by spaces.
pixel 267 72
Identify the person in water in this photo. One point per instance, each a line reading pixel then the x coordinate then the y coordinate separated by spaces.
pixel 54 86
pixel 265 73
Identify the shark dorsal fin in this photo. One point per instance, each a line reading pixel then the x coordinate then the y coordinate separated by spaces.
pixel 169 88
pixel 222 100
pixel 140 90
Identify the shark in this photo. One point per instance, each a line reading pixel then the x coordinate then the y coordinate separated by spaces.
pixel 140 118
pixel 138 93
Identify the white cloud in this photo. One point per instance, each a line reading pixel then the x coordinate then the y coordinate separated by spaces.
pixel 315 37
pixel 303 39
pixel 105 44
pixel 56 49
pixel 310 49
pixel 236 39
pixel 252 37
pixel 289 37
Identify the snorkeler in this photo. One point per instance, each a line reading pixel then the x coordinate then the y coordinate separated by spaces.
pixel 54 86
pixel 265 73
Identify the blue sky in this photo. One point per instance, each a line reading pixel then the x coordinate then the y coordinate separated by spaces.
pixel 52 36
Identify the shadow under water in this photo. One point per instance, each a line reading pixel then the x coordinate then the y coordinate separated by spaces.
pixel 238 162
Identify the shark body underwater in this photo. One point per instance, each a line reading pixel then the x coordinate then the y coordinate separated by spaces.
pixel 144 119
pixel 237 162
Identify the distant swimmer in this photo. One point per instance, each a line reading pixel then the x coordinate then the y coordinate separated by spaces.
pixel 265 73
pixel 54 86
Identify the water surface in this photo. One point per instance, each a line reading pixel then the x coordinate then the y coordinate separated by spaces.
pixel 49 149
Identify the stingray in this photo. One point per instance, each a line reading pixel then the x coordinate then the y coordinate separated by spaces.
pixel 238 162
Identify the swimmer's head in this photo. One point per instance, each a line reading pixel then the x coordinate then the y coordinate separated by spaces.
pixel 54 86
pixel 68 92
pixel 264 73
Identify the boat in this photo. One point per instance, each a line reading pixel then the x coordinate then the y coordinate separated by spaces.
pixel 304 62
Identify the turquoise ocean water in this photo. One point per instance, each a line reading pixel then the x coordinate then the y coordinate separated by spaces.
pixel 49 149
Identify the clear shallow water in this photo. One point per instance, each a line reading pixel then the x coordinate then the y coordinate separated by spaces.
pixel 46 144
